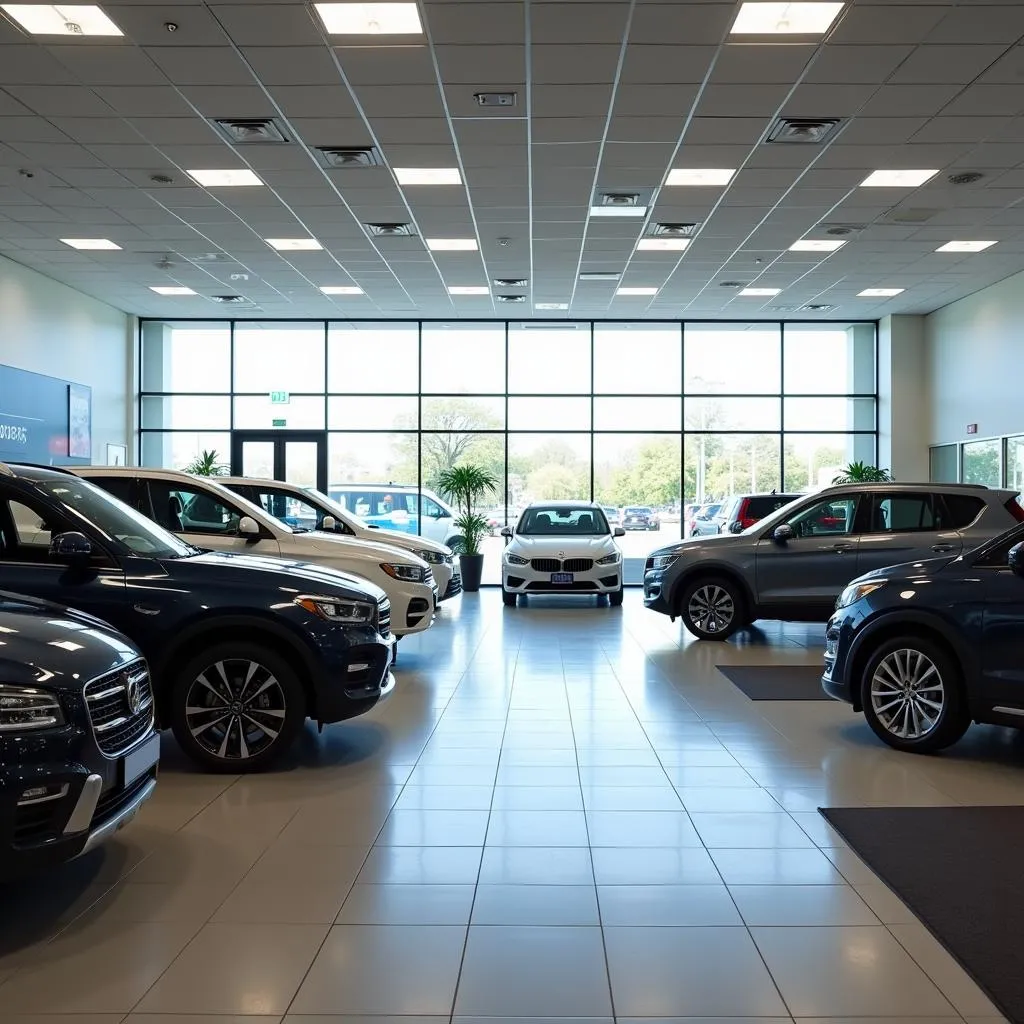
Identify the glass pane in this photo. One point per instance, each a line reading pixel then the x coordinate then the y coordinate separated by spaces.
pixel 178 450
pixel 257 412
pixel 279 357
pixel 545 467
pixel 717 466
pixel 186 356
pixel 981 463
pixel 831 518
pixel 186 412
pixel 549 360
pixel 637 359
pixel 371 458
pixel 711 414
pixel 464 358
pixel 549 414
pixel 1014 462
pixel 258 459
pixel 442 450
pixel 455 414
pixel 300 458
pixel 815 460
pixel 723 359
pixel 637 414
pixel 829 414
pixel 354 412
pixel 944 464
pixel 373 358
pixel 830 359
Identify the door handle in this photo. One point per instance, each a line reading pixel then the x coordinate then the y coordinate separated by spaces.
pixel 841 548
pixel 942 548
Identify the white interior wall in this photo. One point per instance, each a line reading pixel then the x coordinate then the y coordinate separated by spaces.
pixel 903 398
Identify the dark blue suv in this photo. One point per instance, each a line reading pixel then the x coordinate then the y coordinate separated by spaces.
pixel 926 648
pixel 242 649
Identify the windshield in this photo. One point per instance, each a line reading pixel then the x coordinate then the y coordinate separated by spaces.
pixel 333 508
pixel 115 520
pixel 563 521
pixel 638 510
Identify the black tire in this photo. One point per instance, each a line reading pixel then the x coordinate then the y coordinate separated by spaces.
pixel 927 710
pixel 508 599
pixel 717 593
pixel 278 702
pixel 615 598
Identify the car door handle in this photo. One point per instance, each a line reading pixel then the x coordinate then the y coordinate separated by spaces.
pixel 841 548
pixel 940 549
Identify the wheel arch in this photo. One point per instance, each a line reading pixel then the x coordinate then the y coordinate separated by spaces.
pixel 711 569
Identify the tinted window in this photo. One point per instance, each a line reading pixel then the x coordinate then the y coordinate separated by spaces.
pixel 998 556
pixel 121 487
pixel 187 510
pixel 901 513
pixel 961 510
pixel 830 518
pixel 285 506
pixel 559 521
pixel 763 505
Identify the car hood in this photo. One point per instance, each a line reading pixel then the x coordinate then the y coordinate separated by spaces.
pixel 328 545
pixel 405 541
pixel 47 645
pixel 698 547
pixel 912 570
pixel 552 547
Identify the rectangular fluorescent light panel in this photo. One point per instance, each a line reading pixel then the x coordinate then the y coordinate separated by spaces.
pixel 760 292
pixel 880 293
pixel 341 289
pixel 551 305
pixel 964 246
pixel 380 19
pixel 224 179
pixel 817 245
pixel 618 211
pixel 293 244
pixel 428 176
pixel 600 275
pixel 771 19
pixel 62 20
pixel 636 291
pixel 451 244
pixel 468 289
pixel 700 176
pixel 662 244
pixel 166 289
pixel 897 179
pixel 90 243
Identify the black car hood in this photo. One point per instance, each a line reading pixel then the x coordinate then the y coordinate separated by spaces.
pixel 44 644
pixel 913 570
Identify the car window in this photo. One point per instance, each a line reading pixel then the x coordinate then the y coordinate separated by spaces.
pixel 961 510
pixel 121 487
pixel 431 509
pixel 997 555
pixel 832 517
pixel 286 507
pixel 901 513
pixel 183 509
pixel 30 529
pixel 762 505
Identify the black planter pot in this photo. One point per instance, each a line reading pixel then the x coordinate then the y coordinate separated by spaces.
pixel 472 567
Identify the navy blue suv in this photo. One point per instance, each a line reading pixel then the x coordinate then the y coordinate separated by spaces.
pixel 78 754
pixel 242 649
pixel 926 648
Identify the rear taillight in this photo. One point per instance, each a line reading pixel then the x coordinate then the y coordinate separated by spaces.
pixel 747 522
pixel 1013 506
pixel 742 514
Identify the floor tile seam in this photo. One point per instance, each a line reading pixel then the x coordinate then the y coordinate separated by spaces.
pixel 921 967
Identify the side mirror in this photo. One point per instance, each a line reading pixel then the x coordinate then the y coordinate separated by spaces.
pixel 330 524
pixel 736 527
pixel 619 531
pixel 783 533
pixel 506 531
pixel 248 527
pixel 72 548
pixel 1016 559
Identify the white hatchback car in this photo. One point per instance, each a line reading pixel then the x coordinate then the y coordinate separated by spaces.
pixel 208 515
pixel 310 509
pixel 562 547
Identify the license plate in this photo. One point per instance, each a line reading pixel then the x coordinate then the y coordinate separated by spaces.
pixel 141 760
pixel 562 577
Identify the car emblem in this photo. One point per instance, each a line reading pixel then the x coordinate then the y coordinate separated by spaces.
pixel 561 554
pixel 133 694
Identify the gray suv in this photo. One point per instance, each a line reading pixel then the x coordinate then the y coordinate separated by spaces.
pixel 794 563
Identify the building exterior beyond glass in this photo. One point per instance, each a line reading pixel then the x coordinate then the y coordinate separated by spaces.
pixel 660 414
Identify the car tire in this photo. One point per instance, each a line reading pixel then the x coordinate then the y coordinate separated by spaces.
pixel 904 718
pixel 508 599
pixel 615 598
pixel 277 706
pixel 712 607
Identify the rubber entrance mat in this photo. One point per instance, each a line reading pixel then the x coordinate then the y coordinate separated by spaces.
pixel 959 870
pixel 776 682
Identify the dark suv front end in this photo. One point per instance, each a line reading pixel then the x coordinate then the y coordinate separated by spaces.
pixel 78 753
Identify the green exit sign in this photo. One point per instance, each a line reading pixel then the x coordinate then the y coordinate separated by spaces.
pixel 279 398
pixel 280 423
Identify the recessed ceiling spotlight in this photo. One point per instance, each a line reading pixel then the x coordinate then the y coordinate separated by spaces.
pixel 62 19
pixel 817 245
pixel 468 289
pixel 452 244
pixel 341 289
pixel 166 289
pixel 662 244
pixel 90 243
pixel 964 246
pixel 600 275
pixel 880 293
pixel 293 244
pixel 224 179
pixel 636 291
pixel 760 292
pixel 768 19
pixel 700 176
pixel 428 175
pixel 551 305
pixel 618 211
pixel 897 179
pixel 376 19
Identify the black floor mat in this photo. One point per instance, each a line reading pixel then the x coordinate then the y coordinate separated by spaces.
pixel 959 870
pixel 777 682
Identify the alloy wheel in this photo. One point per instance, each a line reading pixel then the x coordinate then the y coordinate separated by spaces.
pixel 711 608
pixel 907 694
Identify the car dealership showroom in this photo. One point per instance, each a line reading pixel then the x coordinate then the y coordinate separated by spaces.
pixel 511 512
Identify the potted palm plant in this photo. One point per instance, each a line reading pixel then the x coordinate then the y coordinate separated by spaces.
pixel 206 464
pixel 465 486
pixel 862 473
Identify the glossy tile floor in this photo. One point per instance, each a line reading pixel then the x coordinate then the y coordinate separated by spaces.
pixel 564 812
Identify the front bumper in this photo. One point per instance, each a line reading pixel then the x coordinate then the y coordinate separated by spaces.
pixel 453 586
pixel 835 679
pixel 524 579
pixel 359 679
pixel 656 593
pixel 412 607
pixel 636 524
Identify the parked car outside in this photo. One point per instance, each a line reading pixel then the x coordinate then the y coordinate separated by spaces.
pixel 310 509
pixel 795 563
pixel 925 648
pixel 743 511
pixel 562 547
pixel 206 514
pixel 704 522
pixel 612 514
pixel 78 752
pixel 639 517
pixel 242 649
pixel 398 507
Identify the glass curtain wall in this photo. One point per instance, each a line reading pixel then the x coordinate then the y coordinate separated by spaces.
pixel 667 415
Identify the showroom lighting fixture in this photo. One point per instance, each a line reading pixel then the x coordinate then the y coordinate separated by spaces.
pixel 775 19
pixel 618 211
pixel 90 243
pixel 451 244
pixel 700 176
pixel 551 305
pixel 897 179
pixel 293 244
pixel 760 292
pixel 378 19
pixel 224 179
pixel 62 20
pixel 628 291
pixel 341 289
pixel 468 289
pixel 965 246
pixel 880 293
pixel 817 245
pixel 169 289
pixel 600 275
pixel 428 175
pixel 662 244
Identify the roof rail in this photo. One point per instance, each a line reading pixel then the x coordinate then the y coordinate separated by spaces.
pixel 39 465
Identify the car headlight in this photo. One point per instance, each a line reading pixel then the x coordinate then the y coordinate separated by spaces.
pixel 24 709
pixel 856 591
pixel 338 610
pixel 406 573
pixel 516 560
pixel 660 561
pixel 611 559
pixel 433 557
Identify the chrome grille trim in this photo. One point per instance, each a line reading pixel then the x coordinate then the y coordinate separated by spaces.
pixel 115 726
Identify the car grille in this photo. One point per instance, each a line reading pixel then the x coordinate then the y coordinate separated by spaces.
pixel 454 585
pixel 578 564
pixel 120 707
pixel 384 617
pixel 111 802
pixel 546 564
pixel 560 565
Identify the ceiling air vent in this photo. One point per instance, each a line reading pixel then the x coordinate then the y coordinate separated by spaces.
pixel 343 157
pixel 673 230
pixel 619 199
pixel 818 307
pixel 247 130
pixel 732 284
pixel 511 298
pixel 496 99
pixel 510 282
pixel 811 130
pixel 229 300
pixel 843 229
pixel 965 178
pixel 380 230
pixel 911 215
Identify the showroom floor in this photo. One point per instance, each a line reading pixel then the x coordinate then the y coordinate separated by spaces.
pixel 565 811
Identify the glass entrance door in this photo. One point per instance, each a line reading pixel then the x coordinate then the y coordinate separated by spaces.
pixel 295 456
